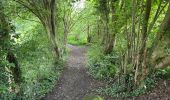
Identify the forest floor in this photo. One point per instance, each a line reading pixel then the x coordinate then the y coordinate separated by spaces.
pixel 74 83
pixel 160 92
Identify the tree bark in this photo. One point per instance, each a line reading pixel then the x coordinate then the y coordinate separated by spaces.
pixel 88 34
pixel 111 32
pixel 142 66
pixel 53 41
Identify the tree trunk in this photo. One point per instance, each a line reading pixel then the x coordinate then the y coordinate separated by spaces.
pixel 16 71
pixel 142 66
pixel 109 47
pixel 65 35
pixel 53 41
pixel 111 32
pixel 88 34
pixel 51 28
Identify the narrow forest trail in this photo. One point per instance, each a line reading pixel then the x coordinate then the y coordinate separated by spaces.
pixel 75 83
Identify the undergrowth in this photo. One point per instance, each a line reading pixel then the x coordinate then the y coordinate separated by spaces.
pixel 121 89
pixel 106 67
pixel 40 71
pixel 101 66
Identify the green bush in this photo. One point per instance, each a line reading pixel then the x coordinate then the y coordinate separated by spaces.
pixel 124 89
pixel 101 66
pixel 163 73
pixel 40 70
pixel 77 39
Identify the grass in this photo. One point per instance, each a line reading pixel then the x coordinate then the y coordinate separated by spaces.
pixel 77 40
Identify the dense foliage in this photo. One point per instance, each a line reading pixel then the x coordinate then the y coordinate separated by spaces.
pixel 28 67
pixel 129 43
pixel 132 45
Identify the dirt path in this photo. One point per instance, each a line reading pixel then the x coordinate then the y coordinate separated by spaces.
pixel 75 83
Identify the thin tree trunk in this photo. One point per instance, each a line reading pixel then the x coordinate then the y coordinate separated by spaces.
pixel 143 50
pixel 88 34
pixel 53 41
pixel 111 32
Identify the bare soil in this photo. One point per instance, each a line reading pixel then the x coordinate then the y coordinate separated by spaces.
pixel 74 83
